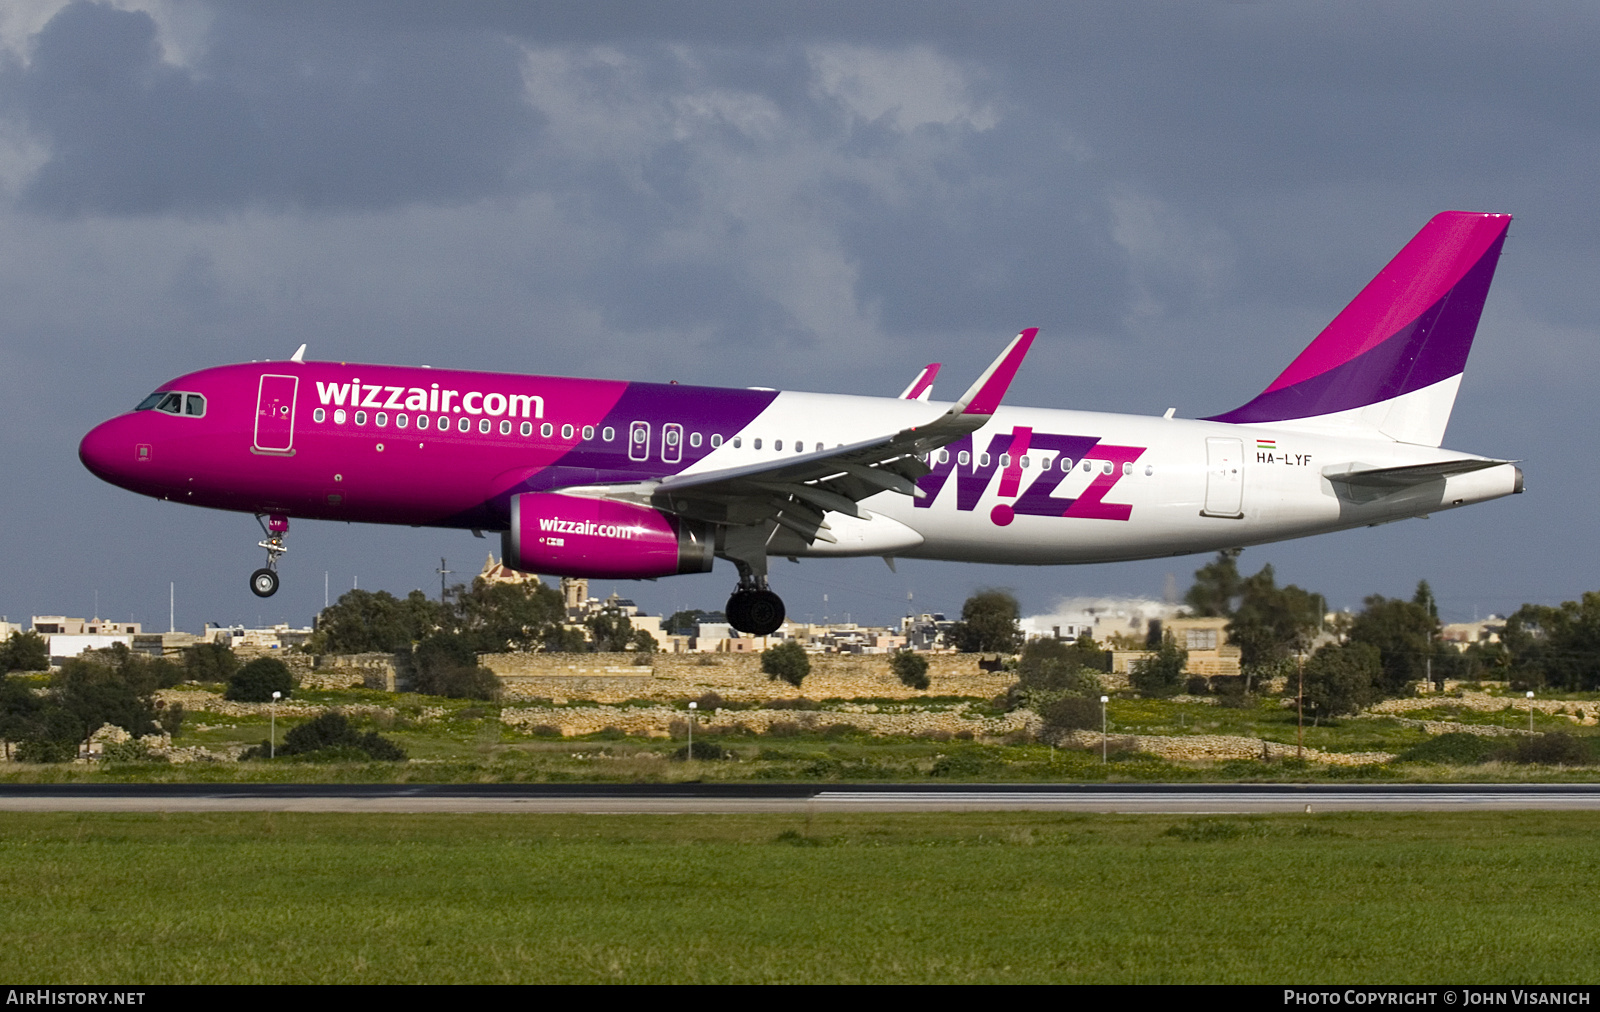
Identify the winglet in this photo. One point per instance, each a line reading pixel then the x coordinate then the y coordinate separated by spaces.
pixel 922 386
pixel 299 354
pixel 985 395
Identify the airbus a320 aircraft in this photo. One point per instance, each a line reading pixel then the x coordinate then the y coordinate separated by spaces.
pixel 640 480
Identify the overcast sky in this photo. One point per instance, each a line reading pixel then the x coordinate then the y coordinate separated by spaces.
pixel 818 196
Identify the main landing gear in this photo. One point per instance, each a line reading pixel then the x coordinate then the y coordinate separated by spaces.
pixel 753 608
pixel 264 581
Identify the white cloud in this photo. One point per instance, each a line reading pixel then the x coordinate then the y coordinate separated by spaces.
pixel 909 87
pixel 1168 256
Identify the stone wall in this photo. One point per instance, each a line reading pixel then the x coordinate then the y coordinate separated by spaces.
pixel 612 678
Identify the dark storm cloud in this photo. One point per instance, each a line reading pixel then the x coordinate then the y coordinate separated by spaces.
pixel 270 115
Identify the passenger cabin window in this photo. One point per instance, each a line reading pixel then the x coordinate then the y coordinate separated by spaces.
pixel 588 432
pixel 607 434
pixel 694 439
pixel 526 429
pixel 716 441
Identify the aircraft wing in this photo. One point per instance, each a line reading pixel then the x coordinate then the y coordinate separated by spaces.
pixel 1404 477
pixel 799 491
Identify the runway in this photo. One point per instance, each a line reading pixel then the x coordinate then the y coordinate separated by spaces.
pixel 670 799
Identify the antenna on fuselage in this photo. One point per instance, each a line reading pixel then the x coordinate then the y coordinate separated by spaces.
pixel 299 354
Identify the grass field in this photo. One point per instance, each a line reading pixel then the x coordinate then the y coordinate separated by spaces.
pixel 968 898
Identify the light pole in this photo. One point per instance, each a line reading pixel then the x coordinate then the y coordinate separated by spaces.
pixel 692 707
pixel 1103 701
pixel 1530 711
pixel 272 736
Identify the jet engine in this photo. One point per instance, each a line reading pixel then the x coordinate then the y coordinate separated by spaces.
pixel 569 535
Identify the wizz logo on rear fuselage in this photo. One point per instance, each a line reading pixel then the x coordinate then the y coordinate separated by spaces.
pixel 972 479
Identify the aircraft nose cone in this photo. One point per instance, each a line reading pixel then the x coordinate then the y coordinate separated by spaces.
pixel 108 451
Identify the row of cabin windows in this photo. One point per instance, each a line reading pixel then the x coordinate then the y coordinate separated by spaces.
pixel 965 457
pixel 670 436
pixel 485 426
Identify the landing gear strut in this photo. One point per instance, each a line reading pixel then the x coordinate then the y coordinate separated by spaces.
pixel 264 581
pixel 753 608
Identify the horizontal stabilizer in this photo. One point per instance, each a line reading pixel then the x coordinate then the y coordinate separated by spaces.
pixel 1404 477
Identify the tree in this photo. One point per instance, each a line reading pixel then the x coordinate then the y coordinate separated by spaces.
pixel 1341 678
pixel 365 622
pixel 613 632
pixel 330 736
pixel 1217 585
pixel 445 664
pixel 258 680
pixel 25 651
pixel 505 616
pixel 1161 673
pixel 911 668
pixel 209 662
pixel 1054 666
pixel 1403 633
pixel 988 624
pixel 1272 622
pixel 786 661
pixel 1555 646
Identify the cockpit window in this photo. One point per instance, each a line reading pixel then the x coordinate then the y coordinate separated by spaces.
pixel 174 403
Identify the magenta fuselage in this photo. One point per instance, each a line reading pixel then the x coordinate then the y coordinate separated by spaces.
pixel 405 445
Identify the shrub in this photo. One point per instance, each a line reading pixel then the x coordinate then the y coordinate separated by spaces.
pixel 700 750
pixel 1161 673
pixel 1455 749
pixel 131 751
pixel 1554 749
pixel 1072 713
pixel 911 668
pixel 1057 666
pixel 445 664
pixel 545 731
pixel 209 662
pixel 787 661
pixel 960 764
pixel 710 701
pixel 1197 685
pixel 797 703
pixel 47 750
pixel 782 729
pixel 258 680
pixel 330 736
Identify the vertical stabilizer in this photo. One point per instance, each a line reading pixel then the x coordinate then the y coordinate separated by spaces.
pixel 1391 362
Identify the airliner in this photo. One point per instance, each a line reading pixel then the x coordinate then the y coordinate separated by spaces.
pixel 600 478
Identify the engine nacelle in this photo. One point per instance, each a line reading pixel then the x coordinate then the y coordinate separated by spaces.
pixel 569 535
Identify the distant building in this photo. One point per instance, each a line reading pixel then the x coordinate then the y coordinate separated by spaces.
pixel 1100 618
pixel 49 625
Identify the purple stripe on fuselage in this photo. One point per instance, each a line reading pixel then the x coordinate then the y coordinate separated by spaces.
pixel 1431 348
pixel 707 411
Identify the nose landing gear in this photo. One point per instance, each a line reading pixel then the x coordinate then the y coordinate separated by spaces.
pixel 264 581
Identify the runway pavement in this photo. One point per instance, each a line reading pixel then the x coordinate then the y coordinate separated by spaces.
pixel 736 798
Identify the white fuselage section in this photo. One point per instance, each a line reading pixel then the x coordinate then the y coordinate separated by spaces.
pixel 1136 487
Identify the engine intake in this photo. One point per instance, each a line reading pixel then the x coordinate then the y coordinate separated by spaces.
pixel 569 535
